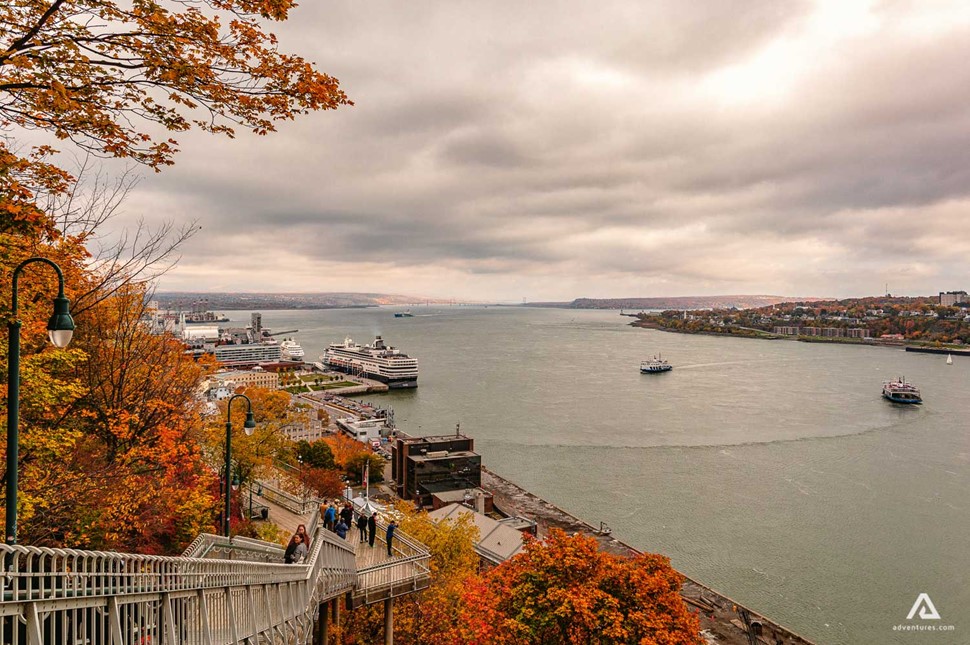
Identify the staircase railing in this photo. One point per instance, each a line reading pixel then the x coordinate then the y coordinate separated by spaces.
pixel 71 596
pixel 408 572
pixel 208 545
pixel 289 501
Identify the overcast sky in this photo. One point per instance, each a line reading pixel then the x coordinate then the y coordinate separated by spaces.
pixel 552 150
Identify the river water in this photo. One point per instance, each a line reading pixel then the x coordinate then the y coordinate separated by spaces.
pixel 772 471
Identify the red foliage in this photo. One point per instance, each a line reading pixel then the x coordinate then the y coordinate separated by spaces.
pixel 565 590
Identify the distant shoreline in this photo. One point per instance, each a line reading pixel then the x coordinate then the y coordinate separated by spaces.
pixel 765 335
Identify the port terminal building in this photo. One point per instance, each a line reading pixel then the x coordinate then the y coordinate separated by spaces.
pixel 424 466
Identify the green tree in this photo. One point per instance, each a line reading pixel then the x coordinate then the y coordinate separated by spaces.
pixel 355 467
pixel 315 455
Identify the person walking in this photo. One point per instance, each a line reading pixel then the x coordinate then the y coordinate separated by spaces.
pixel 371 528
pixel 347 514
pixel 390 536
pixel 362 527
pixel 329 516
pixel 341 529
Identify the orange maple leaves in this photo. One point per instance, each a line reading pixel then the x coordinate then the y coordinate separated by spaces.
pixel 564 589
pixel 92 70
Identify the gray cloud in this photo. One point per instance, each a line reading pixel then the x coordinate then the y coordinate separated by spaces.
pixel 565 148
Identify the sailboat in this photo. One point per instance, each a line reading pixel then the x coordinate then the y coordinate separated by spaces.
pixel 949 359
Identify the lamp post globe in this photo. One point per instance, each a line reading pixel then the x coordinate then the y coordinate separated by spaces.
pixel 60 327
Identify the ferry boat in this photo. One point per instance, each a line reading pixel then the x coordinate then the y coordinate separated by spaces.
pixel 654 365
pixel 899 391
pixel 290 350
pixel 378 361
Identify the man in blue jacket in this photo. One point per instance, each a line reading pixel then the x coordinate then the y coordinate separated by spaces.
pixel 390 535
pixel 341 529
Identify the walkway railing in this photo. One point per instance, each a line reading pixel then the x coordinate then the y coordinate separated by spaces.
pixel 208 545
pixel 70 596
pixel 289 501
pixel 408 572
pixel 219 591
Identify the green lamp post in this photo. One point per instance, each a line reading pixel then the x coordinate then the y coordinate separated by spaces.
pixel 248 426
pixel 60 328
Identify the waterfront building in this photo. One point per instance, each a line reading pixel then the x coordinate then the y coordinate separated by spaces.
pixel 444 462
pixel 364 430
pixel 951 298
pixel 787 331
pixel 255 377
pixel 825 332
pixel 199 335
pixel 248 354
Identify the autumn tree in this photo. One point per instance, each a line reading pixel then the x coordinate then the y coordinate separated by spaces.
pixel 344 449
pixel 111 449
pixel 564 589
pixel 255 455
pixel 317 471
pixel 433 616
pixel 101 73
pixel 109 427
pixel 325 483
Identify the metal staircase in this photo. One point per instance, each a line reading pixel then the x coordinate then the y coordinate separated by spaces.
pixel 219 591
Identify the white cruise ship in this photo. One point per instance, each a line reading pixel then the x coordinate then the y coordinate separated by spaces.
pixel 290 350
pixel 377 361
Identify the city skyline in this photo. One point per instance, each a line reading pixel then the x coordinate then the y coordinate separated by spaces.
pixel 500 151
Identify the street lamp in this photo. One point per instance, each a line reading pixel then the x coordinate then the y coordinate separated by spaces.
pixel 248 427
pixel 304 491
pixel 60 328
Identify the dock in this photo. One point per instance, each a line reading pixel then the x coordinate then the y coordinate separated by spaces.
pixel 938 350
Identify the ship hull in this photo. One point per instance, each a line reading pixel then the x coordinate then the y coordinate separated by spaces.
pixel 896 399
pixel 392 384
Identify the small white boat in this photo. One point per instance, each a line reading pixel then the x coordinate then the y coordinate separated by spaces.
pixel 949 360
pixel 654 365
